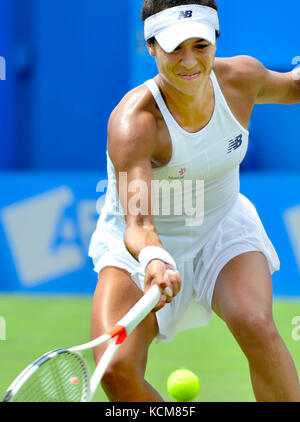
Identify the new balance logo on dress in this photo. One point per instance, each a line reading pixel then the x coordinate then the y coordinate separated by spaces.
pixel 235 144
pixel 185 14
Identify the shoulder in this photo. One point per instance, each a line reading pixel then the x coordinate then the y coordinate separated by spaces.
pixel 251 77
pixel 132 125
pixel 240 67
pixel 241 71
pixel 134 111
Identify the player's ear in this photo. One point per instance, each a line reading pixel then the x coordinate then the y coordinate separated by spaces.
pixel 151 48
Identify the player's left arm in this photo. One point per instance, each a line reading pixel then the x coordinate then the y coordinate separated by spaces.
pixel 276 87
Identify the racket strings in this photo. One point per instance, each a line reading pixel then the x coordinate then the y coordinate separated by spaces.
pixel 62 378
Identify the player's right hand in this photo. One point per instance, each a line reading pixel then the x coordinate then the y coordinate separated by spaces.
pixel 166 278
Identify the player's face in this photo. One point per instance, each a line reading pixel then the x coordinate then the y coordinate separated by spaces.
pixel 187 66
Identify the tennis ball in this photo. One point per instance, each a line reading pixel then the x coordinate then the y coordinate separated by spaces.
pixel 183 385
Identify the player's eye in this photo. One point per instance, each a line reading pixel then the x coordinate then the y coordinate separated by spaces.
pixel 198 46
pixel 201 46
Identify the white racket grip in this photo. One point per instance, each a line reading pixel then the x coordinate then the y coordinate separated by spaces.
pixel 141 309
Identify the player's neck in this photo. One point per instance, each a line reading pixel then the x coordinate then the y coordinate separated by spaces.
pixel 189 110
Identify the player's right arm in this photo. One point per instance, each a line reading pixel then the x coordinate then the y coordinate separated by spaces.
pixel 132 140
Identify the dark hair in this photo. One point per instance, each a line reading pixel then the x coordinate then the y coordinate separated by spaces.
pixel 151 7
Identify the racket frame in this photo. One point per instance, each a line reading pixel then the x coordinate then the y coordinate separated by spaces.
pixel 21 379
pixel 117 336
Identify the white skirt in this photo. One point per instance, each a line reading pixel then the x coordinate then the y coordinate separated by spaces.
pixel 240 231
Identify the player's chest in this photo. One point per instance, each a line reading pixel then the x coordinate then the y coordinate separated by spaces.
pixel 206 158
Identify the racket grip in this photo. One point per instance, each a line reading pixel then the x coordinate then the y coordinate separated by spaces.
pixel 141 309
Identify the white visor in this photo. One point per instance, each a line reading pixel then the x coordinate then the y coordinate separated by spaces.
pixel 173 26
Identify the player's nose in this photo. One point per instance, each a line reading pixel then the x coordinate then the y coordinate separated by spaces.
pixel 188 60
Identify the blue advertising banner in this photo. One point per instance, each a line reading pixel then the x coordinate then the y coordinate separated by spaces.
pixel 46 222
pixel 276 197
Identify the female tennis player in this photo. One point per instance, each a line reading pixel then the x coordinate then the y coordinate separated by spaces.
pixel 173 202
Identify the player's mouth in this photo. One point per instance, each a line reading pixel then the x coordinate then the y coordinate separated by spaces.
pixel 189 77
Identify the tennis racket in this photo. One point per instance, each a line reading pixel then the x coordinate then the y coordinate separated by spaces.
pixel 63 375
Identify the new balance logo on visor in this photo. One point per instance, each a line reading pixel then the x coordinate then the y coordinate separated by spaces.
pixel 235 143
pixel 185 14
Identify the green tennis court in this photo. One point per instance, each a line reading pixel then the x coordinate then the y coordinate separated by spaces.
pixel 37 325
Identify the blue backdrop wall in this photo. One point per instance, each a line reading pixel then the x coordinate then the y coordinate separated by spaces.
pixel 7 156
pixel 69 63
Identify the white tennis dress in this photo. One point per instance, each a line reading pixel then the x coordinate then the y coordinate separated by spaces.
pixel 202 219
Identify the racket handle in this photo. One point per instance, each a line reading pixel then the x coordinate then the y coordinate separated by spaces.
pixel 141 309
pixel 136 314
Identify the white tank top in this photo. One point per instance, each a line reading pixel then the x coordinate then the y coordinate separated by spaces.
pixel 198 186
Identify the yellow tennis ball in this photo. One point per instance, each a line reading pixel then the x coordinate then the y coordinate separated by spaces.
pixel 183 385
